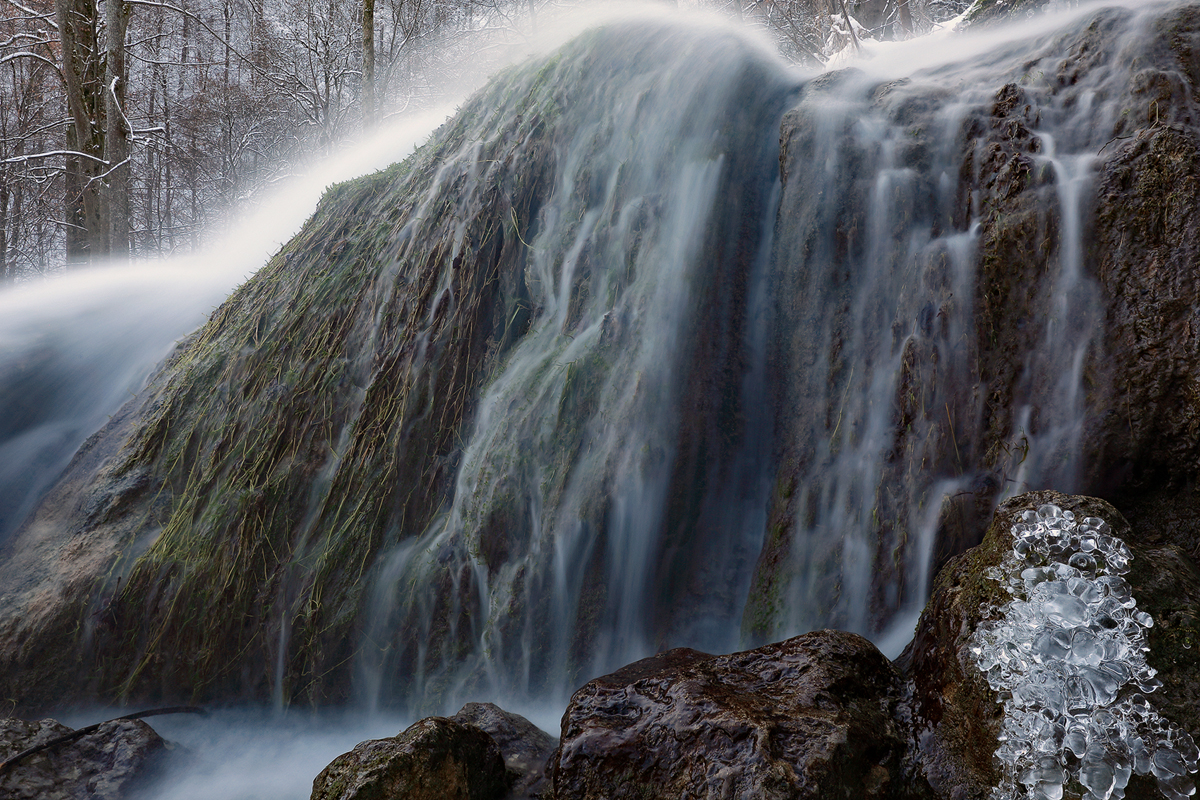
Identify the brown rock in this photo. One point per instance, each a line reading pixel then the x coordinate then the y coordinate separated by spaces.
pixel 806 718
pixel 435 758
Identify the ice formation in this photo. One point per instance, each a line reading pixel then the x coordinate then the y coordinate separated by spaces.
pixel 1068 660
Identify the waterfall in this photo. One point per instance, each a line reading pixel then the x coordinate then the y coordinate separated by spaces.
pixel 631 422
pixel 75 347
pixel 768 339
pixel 938 316
pixel 580 535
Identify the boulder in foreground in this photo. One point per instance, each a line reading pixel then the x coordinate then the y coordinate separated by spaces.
pixel 810 717
pixel 434 759
pixel 525 747
pixel 957 717
pixel 107 764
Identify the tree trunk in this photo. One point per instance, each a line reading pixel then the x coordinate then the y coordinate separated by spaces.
pixel 906 22
pixel 116 138
pixel 368 79
pixel 86 236
pixel 4 271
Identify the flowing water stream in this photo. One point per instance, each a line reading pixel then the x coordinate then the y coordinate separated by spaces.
pixel 623 458
pixel 647 277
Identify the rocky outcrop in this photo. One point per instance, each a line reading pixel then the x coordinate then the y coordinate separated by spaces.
pixel 956 717
pixel 1067 207
pixel 434 759
pixel 225 535
pixel 810 717
pixel 526 748
pixel 1147 248
pixel 221 537
pixel 825 715
pixel 311 382
pixel 109 763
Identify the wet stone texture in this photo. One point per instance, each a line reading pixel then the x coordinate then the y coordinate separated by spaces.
pixel 810 717
pixel 1147 246
pixel 526 748
pixel 107 764
pixel 434 758
pixel 957 718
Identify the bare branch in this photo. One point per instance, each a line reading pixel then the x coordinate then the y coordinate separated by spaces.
pixel 52 154
pixel 34 56
pixel 48 17
pixel 108 171
pixel 198 19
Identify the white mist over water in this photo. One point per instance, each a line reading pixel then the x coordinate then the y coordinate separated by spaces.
pixel 75 347
pixel 247 754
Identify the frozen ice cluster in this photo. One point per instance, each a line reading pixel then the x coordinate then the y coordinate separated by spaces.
pixel 1068 661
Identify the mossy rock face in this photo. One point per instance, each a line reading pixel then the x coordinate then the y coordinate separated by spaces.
pixel 434 759
pixel 226 520
pixel 954 714
pixel 222 538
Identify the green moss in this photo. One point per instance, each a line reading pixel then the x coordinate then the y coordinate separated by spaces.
pixel 296 434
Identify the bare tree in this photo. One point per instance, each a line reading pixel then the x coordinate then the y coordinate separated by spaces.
pixel 130 127
pixel 116 136
pixel 368 61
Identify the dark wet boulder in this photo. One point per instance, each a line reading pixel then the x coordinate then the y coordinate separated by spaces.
pixel 435 758
pixel 957 717
pixel 809 717
pixel 109 763
pixel 526 748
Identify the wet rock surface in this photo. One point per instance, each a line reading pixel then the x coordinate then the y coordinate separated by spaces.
pixel 981 401
pixel 1147 245
pixel 526 748
pixel 434 758
pixel 956 718
pixel 109 763
pixel 809 717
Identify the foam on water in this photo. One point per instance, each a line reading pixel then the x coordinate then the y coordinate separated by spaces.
pixel 1068 660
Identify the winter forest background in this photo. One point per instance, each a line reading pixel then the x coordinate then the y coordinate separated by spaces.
pixel 132 129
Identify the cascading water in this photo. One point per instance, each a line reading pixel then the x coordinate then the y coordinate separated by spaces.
pixel 937 314
pixel 74 348
pixel 729 405
pixel 636 404
pixel 608 505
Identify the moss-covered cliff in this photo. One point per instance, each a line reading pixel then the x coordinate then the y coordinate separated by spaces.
pixel 317 415
pixel 224 537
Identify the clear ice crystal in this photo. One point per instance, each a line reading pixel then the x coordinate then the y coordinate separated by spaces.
pixel 1067 659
